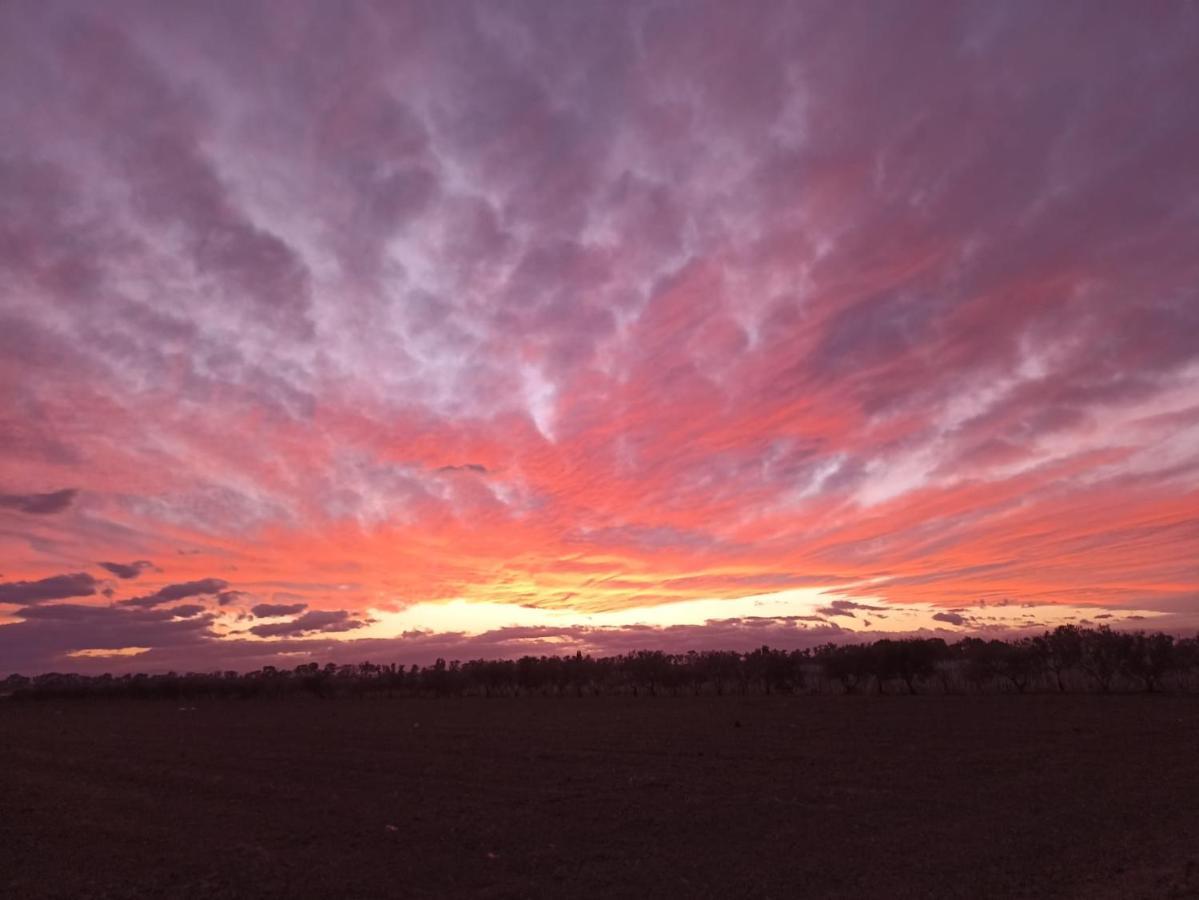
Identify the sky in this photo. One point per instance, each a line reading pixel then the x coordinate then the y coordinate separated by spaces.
pixel 395 330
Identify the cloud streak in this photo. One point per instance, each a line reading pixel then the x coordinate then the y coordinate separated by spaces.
pixel 172 592
pixel 267 610
pixel 39 504
pixel 324 621
pixel 56 587
pixel 127 570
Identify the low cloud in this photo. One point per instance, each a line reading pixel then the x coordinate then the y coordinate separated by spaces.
pixel 46 636
pixel 39 504
pixel 844 608
pixel 224 598
pixel 127 570
pixel 311 622
pixel 57 587
pixel 951 617
pixel 266 610
pixel 178 592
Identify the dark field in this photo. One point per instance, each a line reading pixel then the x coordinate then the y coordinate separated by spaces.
pixel 1003 796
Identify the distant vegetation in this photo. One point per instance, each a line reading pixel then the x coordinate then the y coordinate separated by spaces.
pixel 1066 659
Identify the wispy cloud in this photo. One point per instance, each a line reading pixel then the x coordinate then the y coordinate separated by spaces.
pixel 608 307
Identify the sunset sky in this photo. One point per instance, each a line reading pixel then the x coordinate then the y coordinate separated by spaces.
pixel 389 331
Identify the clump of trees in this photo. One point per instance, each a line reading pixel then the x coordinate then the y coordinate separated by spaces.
pixel 1069 658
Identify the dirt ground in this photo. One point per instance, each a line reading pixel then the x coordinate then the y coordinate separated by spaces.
pixel 1004 796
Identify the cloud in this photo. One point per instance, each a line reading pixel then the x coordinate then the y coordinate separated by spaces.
pixel 844 608
pixel 39 504
pixel 56 587
pixel 182 639
pixel 127 570
pixel 266 610
pixel 46 636
pixel 177 592
pixel 951 617
pixel 853 604
pixel 224 598
pixel 608 307
pixel 314 621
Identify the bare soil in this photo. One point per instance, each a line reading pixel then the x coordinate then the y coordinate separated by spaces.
pixel 989 796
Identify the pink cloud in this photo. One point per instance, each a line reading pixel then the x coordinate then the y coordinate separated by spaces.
pixel 601 307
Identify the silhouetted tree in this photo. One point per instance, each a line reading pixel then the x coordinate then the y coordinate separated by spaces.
pixel 1019 662
pixel 1061 651
pixel 1152 662
pixel 1148 658
pixel 849 664
pixel 910 660
pixel 650 669
pixel 979 665
pixel 1104 653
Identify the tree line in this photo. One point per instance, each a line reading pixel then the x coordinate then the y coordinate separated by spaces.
pixel 1067 659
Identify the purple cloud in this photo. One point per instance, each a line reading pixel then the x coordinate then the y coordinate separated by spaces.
pixel 127 570
pixel 56 587
pixel 178 591
pixel 951 617
pixel 46 635
pixel 39 504
pixel 314 621
pixel 266 610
